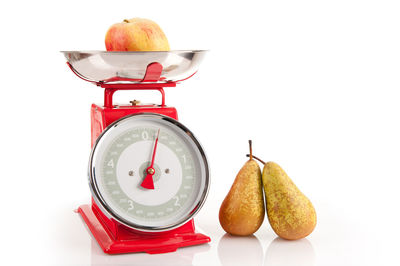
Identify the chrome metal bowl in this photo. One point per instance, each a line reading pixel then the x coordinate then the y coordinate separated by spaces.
pixel 100 66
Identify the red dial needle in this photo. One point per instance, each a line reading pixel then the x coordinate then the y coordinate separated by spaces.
pixel 148 180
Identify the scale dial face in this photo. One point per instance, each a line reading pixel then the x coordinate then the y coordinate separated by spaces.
pixel 119 163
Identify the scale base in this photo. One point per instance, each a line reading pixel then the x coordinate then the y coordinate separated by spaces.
pixel 128 241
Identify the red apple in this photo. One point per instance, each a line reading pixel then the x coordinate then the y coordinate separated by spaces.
pixel 136 34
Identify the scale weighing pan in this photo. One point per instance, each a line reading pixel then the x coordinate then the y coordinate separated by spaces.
pixel 109 67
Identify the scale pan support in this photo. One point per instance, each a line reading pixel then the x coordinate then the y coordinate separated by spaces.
pixel 103 66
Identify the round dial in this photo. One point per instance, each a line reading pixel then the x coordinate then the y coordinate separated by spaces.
pixel 148 172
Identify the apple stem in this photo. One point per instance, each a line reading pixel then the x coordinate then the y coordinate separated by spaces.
pixel 255 157
pixel 125 20
pixel 251 150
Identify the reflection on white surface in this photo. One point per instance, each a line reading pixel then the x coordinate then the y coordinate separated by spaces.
pixel 236 250
pixel 290 252
pixel 182 257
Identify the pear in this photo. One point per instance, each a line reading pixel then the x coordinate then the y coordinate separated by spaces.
pixel 242 211
pixel 290 213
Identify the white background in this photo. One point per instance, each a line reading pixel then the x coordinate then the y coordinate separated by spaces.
pixel 315 85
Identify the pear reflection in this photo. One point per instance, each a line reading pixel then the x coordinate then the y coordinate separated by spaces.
pixel 240 250
pixel 183 256
pixel 290 252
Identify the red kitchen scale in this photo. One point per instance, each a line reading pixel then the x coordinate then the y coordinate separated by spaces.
pixel 148 173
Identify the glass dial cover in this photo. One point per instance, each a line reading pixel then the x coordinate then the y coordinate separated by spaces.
pixel 118 164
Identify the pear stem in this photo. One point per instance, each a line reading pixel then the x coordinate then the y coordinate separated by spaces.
pixel 251 150
pixel 255 157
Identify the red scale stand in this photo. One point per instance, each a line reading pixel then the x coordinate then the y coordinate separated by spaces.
pixel 112 236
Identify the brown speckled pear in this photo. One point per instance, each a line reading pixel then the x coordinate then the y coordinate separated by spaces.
pixel 242 211
pixel 290 213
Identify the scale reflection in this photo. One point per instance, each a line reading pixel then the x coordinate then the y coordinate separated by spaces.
pixel 183 256
pixel 236 250
pixel 290 252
